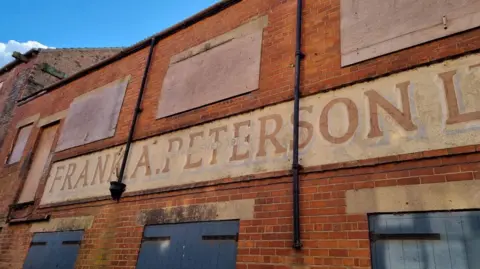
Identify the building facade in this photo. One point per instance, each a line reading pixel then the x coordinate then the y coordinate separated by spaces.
pixel 197 123
pixel 36 69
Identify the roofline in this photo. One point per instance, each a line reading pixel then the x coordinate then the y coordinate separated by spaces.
pixel 81 49
pixel 30 53
pixel 208 12
pixel 16 62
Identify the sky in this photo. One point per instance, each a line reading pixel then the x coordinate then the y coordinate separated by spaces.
pixel 26 24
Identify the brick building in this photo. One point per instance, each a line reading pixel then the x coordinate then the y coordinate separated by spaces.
pixel 36 69
pixel 198 122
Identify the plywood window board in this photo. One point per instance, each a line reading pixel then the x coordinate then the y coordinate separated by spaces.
pixel 371 28
pixel 39 164
pixel 93 116
pixel 20 142
pixel 221 68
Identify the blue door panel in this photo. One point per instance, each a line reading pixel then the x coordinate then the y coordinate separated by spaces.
pixel 53 250
pixel 37 257
pixel 207 245
pixel 447 240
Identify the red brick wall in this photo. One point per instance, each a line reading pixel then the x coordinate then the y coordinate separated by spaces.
pixel 332 239
pixel 59 101
pixel 16 84
pixel 14 81
pixel 68 61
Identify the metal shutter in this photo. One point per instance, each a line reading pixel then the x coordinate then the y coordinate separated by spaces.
pixel 449 240
pixel 206 245
pixel 53 250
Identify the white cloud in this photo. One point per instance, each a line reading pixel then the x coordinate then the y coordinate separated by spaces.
pixel 6 49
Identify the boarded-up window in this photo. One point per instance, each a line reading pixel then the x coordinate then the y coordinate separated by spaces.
pixel 431 240
pixel 20 143
pixel 93 116
pixel 370 28
pixel 54 250
pixel 229 69
pixel 39 163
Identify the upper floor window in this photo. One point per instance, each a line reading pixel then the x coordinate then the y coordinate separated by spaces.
pixel 218 69
pixel 371 28
pixel 93 116
pixel 20 143
pixel 39 164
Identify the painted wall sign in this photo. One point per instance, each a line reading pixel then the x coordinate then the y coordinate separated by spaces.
pixel 429 108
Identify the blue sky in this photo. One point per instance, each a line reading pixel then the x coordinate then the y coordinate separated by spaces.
pixel 87 23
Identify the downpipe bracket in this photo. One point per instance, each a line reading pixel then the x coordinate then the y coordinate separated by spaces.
pixel 300 54
pixel 297 245
pixel 296 167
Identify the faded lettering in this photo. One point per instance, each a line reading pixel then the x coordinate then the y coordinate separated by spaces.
pixel 57 177
pixel 115 168
pixel 216 136
pixel 403 118
pixel 83 176
pixel 454 114
pixel 144 162
pixel 265 136
pixel 437 107
pixel 236 155
pixel 193 164
pixel 171 142
pixel 70 171
pixel 305 125
pixel 100 169
pixel 352 112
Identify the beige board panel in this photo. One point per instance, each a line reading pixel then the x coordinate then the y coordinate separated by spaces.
pixel 38 166
pixel 404 113
pixel 93 116
pixel 370 28
pixel 227 70
pixel 252 26
pixel 20 143
pixel 425 197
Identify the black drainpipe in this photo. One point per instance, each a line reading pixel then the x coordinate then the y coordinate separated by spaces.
pixel 297 243
pixel 117 187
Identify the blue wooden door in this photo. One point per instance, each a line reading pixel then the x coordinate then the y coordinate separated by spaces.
pixel 205 245
pixel 446 240
pixel 53 250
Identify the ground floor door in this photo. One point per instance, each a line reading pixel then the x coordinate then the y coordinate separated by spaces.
pixel 203 245
pixel 53 250
pixel 442 240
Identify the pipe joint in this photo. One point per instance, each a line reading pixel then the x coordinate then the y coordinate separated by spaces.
pixel 296 167
pixel 297 244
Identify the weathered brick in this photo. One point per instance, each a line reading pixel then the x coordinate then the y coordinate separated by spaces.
pixel 331 238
